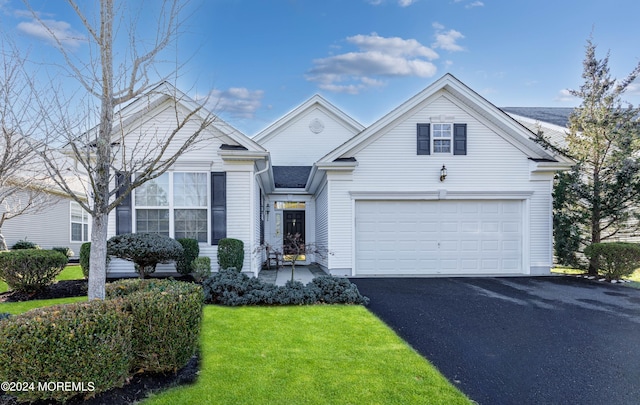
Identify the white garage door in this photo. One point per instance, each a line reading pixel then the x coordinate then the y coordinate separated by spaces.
pixel 439 237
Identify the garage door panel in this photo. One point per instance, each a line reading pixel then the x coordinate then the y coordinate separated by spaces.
pixel 439 237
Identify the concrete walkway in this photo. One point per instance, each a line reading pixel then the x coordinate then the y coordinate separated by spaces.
pixel 303 274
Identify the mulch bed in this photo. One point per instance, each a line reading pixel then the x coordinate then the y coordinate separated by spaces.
pixel 140 385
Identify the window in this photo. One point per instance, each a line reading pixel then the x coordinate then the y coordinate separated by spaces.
pixel 442 135
pixel 79 223
pixel 174 204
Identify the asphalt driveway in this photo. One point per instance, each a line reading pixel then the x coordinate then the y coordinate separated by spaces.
pixel 544 340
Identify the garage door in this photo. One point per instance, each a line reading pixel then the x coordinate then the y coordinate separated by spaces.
pixel 439 237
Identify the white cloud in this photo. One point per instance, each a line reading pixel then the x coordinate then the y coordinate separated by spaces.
pixel 565 95
pixel 474 4
pixel 60 30
pixel 237 102
pixel 377 57
pixel 447 40
pixel 406 3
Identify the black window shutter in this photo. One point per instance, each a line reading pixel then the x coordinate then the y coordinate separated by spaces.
pixel 459 139
pixel 424 139
pixel 123 210
pixel 218 206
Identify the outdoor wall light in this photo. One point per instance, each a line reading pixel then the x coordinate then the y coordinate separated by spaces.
pixel 443 173
pixel 268 208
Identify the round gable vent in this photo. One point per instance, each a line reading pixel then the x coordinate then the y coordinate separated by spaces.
pixel 316 126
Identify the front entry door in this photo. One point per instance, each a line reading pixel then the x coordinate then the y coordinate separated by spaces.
pixel 293 224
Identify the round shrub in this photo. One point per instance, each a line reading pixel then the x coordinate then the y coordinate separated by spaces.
pixel 145 250
pixel 88 342
pixel 615 259
pixel 191 251
pixel 230 253
pixel 31 270
pixel 166 321
pixel 25 244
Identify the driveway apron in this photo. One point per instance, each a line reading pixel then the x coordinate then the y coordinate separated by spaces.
pixel 543 340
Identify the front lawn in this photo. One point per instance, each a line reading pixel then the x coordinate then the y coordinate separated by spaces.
pixel 326 354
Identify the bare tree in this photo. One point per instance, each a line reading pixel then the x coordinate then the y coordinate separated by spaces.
pixel 100 153
pixel 23 188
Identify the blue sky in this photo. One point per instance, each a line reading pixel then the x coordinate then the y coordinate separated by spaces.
pixel 260 59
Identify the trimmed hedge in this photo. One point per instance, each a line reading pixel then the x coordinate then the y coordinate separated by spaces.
pixel 166 321
pixel 30 269
pixel 79 343
pixel 230 253
pixel 229 287
pixel 145 250
pixel 615 259
pixel 191 250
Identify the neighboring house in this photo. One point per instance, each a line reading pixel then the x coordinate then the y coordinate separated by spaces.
pixel 55 221
pixel 444 184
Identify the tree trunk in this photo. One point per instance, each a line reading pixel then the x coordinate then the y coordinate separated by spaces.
pixel 595 221
pixel 3 242
pixel 98 258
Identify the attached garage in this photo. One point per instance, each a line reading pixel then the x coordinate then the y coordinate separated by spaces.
pixel 452 237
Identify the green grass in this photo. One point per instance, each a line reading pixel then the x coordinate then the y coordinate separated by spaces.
pixel 635 277
pixel 73 272
pixel 307 355
pixel 20 307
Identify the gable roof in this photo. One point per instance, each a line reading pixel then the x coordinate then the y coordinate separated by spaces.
pixel 164 91
pixel 315 101
pixel 291 176
pixel 517 134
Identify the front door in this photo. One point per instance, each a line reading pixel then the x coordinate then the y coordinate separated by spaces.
pixel 293 236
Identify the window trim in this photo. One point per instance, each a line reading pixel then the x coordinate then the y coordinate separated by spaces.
pixel 434 138
pixel 172 207
pixel 86 236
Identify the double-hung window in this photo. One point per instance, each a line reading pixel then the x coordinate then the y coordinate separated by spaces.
pixel 174 204
pixel 79 223
pixel 442 138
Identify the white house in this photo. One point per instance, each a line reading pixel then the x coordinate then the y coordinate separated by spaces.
pixel 444 184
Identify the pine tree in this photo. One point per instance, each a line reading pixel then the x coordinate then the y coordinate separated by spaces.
pixel 600 197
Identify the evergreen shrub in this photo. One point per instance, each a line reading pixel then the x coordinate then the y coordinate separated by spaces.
pixel 84 342
pixel 191 250
pixel 230 253
pixel 30 269
pixel 145 250
pixel 615 259
pixel 166 321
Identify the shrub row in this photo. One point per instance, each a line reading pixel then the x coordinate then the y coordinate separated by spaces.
pixel 232 288
pixel 82 342
pixel 149 325
pixel 31 269
pixel 166 321
pixel 615 259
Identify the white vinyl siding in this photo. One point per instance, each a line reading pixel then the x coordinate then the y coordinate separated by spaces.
pixel 297 145
pixel 493 167
pixel 322 225
pixel 48 228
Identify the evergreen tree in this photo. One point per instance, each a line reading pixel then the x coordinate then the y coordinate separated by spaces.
pixel 600 196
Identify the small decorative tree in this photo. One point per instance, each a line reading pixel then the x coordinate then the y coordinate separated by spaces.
pixel 145 250
pixel 295 249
